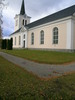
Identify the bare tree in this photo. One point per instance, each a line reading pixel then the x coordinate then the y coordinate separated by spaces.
pixel 1 9
pixel 1 32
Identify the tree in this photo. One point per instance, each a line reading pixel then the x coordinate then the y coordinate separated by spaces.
pixel 0 32
pixel 1 9
pixel 9 44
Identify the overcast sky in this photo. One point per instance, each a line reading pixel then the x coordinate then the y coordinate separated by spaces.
pixel 36 9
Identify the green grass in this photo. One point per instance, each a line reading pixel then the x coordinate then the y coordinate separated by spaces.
pixel 44 56
pixel 18 84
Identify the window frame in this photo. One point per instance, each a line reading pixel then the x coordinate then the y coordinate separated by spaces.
pixel 15 40
pixel 16 22
pixel 19 40
pixel 32 38
pixel 42 37
pixel 55 35
pixel 23 22
pixel 24 36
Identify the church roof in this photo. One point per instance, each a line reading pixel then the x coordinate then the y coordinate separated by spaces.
pixel 16 31
pixel 22 11
pixel 58 15
pixel 53 17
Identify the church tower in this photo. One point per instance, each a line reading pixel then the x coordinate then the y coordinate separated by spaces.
pixel 21 19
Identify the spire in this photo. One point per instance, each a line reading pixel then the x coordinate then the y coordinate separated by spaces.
pixel 22 11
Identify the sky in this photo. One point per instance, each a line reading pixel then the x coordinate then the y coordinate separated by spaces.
pixel 36 9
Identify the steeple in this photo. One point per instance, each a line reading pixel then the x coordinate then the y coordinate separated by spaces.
pixel 21 19
pixel 22 11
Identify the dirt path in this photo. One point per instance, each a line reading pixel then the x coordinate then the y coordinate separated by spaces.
pixel 42 70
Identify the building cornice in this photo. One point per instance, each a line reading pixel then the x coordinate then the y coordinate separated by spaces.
pixel 53 22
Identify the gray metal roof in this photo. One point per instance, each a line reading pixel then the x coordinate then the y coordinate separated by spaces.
pixel 58 15
pixel 16 31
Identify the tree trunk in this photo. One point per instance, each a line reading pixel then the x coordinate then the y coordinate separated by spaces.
pixel 0 32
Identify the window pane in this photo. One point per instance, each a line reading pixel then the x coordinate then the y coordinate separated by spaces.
pixel 24 36
pixel 55 36
pixel 42 37
pixel 15 40
pixel 16 22
pixel 19 40
pixel 32 38
pixel 23 22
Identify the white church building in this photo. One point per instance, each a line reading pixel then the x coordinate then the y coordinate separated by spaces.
pixel 53 32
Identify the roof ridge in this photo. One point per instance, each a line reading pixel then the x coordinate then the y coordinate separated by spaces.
pixel 52 14
pixel 55 16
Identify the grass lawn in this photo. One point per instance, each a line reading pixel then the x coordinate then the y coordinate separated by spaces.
pixel 18 84
pixel 48 57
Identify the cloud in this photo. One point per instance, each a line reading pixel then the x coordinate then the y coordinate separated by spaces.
pixel 8 22
pixel 34 8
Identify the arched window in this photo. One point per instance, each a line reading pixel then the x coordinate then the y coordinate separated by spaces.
pixel 15 40
pixel 19 40
pixel 42 37
pixel 55 35
pixel 24 36
pixel 16 22
pixel 23 22
pixel 32 38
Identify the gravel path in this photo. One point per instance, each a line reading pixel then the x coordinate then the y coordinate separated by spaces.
pixel 42 70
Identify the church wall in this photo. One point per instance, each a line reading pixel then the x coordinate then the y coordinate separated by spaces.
pixel 17 40
pixel 23 36
pixel 19 19
pixel 66 32
pixel 48 36
pixel 16 26
pixel 74 36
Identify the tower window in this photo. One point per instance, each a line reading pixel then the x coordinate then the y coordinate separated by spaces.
pixel 24 36
pixel 16 22
pixel 25 22
pixel 19 40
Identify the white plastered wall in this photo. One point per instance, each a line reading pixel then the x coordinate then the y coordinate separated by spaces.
pixel 17 39
pixel 70 34
pixel 19 19
pixel 48 36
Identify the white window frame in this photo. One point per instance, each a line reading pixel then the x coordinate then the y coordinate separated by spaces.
pixel 32 38
pixel 19 40
pixel 16 22
pixel 24 36
pixel 23 22
pixel 15 40
pixel 55 35
pixel 42 37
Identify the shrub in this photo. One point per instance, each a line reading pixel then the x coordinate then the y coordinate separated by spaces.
pixel 4 44
pixel 7 44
